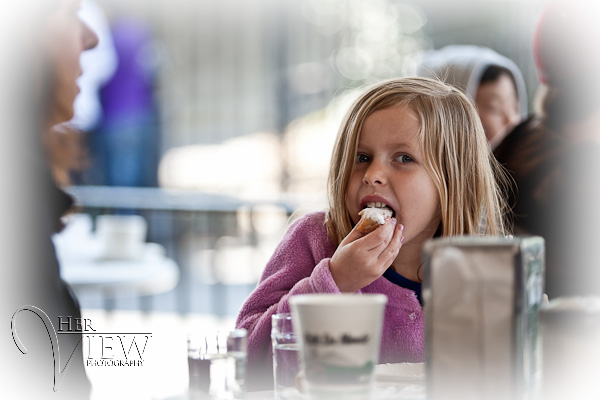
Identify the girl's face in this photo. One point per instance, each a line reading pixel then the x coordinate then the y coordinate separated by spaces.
pixel 67 37
pixel 498 108
pixel 389 169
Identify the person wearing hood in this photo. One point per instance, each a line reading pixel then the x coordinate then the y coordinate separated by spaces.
pixel 492 81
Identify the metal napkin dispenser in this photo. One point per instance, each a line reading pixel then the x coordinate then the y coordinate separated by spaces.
pixel 481 297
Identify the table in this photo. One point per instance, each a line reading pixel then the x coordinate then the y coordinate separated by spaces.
pixel 150 274
pixel 395 381
pixel 82 266
pixel 151 198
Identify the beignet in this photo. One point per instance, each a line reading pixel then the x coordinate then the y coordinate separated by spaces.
pixel 372 217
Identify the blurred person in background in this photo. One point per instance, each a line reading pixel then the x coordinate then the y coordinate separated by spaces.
pixel 124 147
pixel 554 156
pixel 492 81
pixel 41 45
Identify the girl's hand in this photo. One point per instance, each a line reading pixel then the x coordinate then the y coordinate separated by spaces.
pixel 361 259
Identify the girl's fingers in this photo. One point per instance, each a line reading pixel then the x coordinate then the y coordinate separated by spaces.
pixel 361 259
pixel 351 237
pixel 380 237
pixel 390 252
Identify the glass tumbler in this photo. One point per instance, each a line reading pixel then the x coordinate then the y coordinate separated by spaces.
pixel 217 363
pixel 286 351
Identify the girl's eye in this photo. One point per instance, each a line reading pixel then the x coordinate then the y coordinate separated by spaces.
pixel 361 158
pixel 404 158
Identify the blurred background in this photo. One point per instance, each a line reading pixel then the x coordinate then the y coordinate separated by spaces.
pixel 204 125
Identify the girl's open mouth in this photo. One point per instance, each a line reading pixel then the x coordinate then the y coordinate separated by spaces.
pixel 377 204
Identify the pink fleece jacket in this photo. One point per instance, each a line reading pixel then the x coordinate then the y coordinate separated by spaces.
pixel 300 265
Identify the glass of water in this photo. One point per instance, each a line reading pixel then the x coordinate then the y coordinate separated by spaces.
pixel 286 350
pixel 217 364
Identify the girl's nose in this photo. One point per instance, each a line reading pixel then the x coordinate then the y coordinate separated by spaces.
pixel 375 175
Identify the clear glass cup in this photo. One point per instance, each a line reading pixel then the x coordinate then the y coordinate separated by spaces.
pixel 217 364
pixel 286 352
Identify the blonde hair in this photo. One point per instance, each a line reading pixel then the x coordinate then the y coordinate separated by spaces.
pixel 455 151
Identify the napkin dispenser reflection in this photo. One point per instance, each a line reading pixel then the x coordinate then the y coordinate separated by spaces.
pixel 481 297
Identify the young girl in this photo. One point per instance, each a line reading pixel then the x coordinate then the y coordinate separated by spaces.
pixel 414 145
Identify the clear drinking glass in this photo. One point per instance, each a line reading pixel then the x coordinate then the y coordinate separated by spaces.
pixel 286 351
pixel 217 363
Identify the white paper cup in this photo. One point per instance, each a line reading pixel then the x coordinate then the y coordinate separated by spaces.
pixel 339 336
